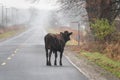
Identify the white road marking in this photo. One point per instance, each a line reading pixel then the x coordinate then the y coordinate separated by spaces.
pixel 13 55
pixel 3 64
pixel 77 67
pixel 9 58
pixel 16 50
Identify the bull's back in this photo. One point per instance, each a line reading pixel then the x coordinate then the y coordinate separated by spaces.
pixel 52 42
pixel 49 40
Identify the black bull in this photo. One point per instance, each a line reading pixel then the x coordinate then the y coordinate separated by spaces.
pixel 54 43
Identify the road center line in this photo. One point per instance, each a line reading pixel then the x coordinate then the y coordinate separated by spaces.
pixel 13 55
pixel 9 58
pixel 4 63
pixel 16 50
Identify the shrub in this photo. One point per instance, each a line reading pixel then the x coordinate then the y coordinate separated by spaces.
pixel 102 30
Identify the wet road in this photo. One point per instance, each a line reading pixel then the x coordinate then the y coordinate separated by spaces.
pixel 23 58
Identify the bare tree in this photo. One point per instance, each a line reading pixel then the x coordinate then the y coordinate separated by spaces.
pixel 96 9
pixel 33 1
pixel 73 7
pixel 108 9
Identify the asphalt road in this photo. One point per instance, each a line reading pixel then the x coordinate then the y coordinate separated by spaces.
pixel 23 58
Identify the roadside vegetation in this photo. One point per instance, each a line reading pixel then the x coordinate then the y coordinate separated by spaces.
pixel 100 40
pixel 6 33
pixel 103 61
pixel 103 50
pixel 107 38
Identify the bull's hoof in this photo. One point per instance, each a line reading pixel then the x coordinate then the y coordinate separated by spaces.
pixel 55 64
pixel 49 64
pixel 60 64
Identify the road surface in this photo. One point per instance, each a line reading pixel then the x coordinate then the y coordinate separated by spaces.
pixel 23 58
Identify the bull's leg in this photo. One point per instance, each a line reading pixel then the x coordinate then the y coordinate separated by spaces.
pixel 50 58
pixel 55 62
pixel 46 56
pixel 61 54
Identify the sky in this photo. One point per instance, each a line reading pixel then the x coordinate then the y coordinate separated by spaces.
pixel 42 4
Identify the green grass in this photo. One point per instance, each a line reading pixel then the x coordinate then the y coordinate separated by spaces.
pixel 104 62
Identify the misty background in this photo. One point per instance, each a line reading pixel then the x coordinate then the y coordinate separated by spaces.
pixel 41 13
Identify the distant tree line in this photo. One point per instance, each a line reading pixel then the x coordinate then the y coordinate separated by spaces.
pixel 13 16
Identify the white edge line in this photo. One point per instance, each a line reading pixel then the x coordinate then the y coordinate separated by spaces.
pixel 77 67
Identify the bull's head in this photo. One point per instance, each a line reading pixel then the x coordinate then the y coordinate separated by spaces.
pixel 66 35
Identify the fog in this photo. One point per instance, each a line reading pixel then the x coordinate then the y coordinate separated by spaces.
pixel 41 13
pixel 15 12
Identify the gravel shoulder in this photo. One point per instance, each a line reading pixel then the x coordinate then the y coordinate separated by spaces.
pixel 89 69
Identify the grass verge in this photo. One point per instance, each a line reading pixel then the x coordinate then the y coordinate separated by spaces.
pixel 103 61
pixel 11 33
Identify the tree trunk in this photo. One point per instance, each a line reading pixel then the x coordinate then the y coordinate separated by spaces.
pixel 106 9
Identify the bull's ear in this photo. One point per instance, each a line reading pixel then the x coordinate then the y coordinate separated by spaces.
pixel 70 33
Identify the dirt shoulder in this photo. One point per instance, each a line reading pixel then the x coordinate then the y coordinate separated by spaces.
pixel 89 69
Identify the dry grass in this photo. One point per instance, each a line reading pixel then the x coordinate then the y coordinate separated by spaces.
pixel 11 31
pixel 113 50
